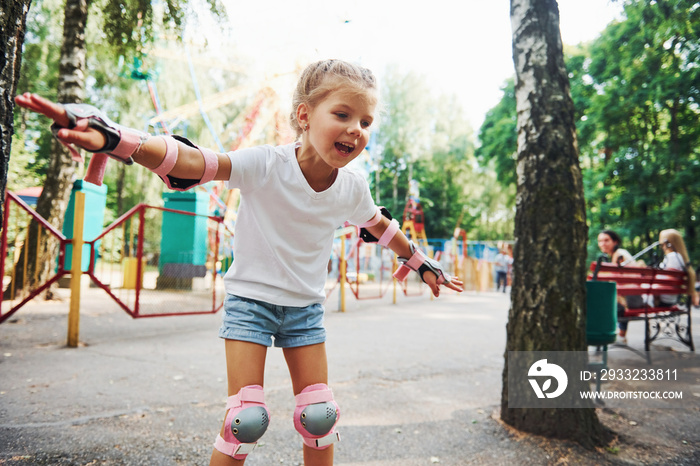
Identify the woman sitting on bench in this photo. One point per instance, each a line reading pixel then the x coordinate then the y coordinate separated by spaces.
pixel 610 243
pixel 676 258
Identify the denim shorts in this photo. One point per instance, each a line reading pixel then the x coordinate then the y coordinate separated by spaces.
pixel 260 322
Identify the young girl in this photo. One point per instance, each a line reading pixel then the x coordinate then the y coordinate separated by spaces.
pixel 293 198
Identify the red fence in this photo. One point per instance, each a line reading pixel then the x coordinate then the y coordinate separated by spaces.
pixel 369 269
pixel 14 247
pixel 137 261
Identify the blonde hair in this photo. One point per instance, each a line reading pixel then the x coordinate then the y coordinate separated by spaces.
pixel 323 77
pixel 673 239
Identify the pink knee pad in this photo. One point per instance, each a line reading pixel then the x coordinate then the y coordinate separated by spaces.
pixel 245 423
pixel 316 415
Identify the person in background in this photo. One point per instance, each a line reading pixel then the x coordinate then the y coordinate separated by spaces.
pixel 676 258
pixel 501 265
pixel 609 243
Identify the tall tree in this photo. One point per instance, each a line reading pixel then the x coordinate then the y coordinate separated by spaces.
pixel 405 134
pixel 647 118
pixel 53 201
pixel 427 137
pixel 635 90
pixel 498 136
pixel 13 18
pixel 548 297
pixel 128 25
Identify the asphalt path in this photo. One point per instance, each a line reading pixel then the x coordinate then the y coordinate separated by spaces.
pixel 417 382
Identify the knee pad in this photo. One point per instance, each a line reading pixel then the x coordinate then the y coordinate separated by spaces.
pixel 316 416
pixel 245 423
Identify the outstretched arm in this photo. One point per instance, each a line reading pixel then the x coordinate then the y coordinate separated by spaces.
pixel 150 154
pixel 400 245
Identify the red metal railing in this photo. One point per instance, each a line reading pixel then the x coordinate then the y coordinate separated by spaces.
pixel 23 243
pixel 369 271
pixel 141 305
pixel 142 298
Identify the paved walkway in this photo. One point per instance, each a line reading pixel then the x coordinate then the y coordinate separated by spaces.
pixel 418 383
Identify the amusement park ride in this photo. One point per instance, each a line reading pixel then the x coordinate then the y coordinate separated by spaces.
pixel 413 224
pixel 413 221
pixel 262 112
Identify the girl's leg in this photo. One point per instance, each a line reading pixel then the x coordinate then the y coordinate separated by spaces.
pixel 245 365
pixel 307 366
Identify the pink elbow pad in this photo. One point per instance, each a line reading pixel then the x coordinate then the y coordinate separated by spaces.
pixel 211 165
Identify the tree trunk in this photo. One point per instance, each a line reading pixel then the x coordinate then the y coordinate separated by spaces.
pixel 549 271
pixel 53 202
pixel 14 17
pixel 395 189
pixel 121 175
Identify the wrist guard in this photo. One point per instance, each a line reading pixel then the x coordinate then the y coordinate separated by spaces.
pixel 419 262
pixel 120 142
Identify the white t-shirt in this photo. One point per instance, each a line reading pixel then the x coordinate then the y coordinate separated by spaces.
pixel 284 229
pixel 672 261
pixel 502 262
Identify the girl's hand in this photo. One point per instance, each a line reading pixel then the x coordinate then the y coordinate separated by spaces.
pixel 89 138
pixel 431 280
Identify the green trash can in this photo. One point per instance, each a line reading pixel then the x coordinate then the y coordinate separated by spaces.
pixel 183 245
pixel 601 312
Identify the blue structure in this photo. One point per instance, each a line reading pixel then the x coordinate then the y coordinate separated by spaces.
pixel 95 204
pixel 183 244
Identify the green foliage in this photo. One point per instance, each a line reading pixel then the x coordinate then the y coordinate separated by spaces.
pixel 403 136
pixel 109 85
pixel 648 121
pixel 428 139
pixel 636 90
pixel 129 25
pixel 443 173
pixel 31 141
pixel 498 136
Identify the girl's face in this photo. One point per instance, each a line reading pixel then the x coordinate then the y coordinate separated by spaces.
pixel 339 126
pixel 606 244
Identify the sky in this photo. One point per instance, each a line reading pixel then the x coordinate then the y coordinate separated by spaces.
pixel 462 47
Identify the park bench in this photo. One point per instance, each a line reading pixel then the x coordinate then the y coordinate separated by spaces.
pixel 672 322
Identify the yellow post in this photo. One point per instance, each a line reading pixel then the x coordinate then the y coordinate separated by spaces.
pixel 76 270
pixel 38 253
pixel 26 257
pixel 343 277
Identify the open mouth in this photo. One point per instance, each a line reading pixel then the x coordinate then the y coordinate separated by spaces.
pixel 344 147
